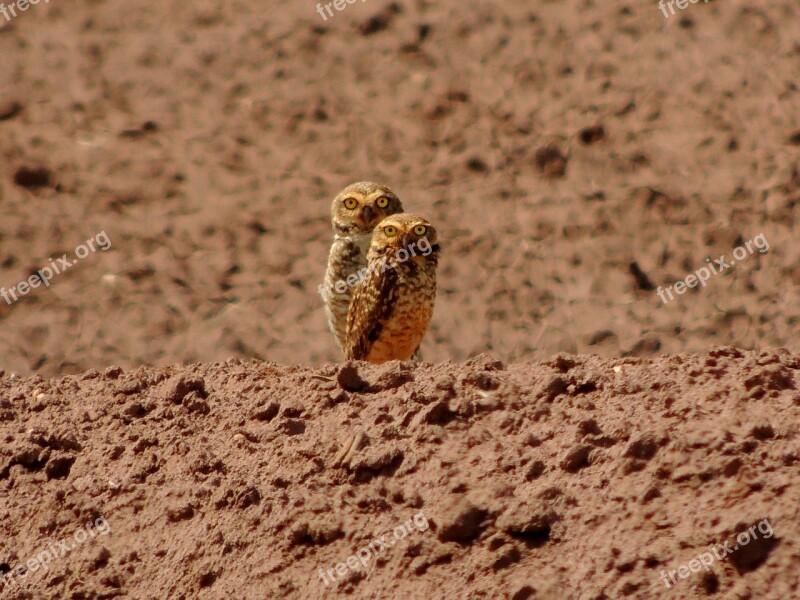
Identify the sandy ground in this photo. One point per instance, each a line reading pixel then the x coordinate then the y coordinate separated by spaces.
pixel 575 157
pixel 207 140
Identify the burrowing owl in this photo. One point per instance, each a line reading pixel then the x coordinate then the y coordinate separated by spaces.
pixel 355 212
pixel 393 304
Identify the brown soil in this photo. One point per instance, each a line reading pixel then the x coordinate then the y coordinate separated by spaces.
pixel 574 156
pixel 207 143
pixel 571 478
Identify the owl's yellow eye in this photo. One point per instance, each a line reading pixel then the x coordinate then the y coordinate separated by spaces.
pixel 382 202
pixel 350 203
pixel 420 230
pixel 390 231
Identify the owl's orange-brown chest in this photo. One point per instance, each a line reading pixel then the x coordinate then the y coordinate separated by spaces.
pixel 403 331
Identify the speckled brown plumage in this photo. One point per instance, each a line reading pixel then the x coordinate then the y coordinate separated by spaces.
pixel 352 237
pixel 392 307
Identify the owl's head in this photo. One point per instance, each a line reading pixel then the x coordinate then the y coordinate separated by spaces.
pixel 360 206
pixel 405 232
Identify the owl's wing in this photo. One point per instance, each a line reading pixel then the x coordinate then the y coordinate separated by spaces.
pixel 373 303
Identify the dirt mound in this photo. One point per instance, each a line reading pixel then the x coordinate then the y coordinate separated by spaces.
pixel 578 477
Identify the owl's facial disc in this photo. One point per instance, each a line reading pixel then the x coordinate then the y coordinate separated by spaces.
pixel 359 208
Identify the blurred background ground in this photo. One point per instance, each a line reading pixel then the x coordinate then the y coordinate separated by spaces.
pixel 553 144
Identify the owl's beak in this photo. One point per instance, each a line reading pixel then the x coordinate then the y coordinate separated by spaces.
pixel 367 214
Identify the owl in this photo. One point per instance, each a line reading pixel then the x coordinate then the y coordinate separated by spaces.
pixel 393 304
pixel 354 213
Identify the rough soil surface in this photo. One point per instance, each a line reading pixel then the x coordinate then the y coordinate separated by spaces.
pixel 574 156
pixel 553 144
pixel 578 477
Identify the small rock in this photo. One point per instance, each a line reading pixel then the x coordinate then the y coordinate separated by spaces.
pixel 292 427
pixel 380 21
pixel 181 513
pixel 477 165
pixel 196 403
pixel 643 282
pixel 249 496
pixel 535 470
pixel 508 557
pixel 762 432
pixel 751 555
pixel 462 523
pixel 555 386
pixel 577 459
pixel 589 427
pixel 135 410
pixel 34 177
pixel 531 524
pixel 318 532
pixel 349 379
pixel 550 161
pixel 732 468
pixel 59 467
pixel 182 386
pixel 600 336
pixel 709 582
pixel 651 494
pixel 207 579
pixel 591 135
pixel 438 413
pixel 525 592
pixel 101 559
pixel 642 449
pixel 112 372
pixel 9 109
pixel 266 412
pixel 375 461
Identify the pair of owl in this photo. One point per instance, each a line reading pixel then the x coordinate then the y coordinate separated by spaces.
pixel 378 292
